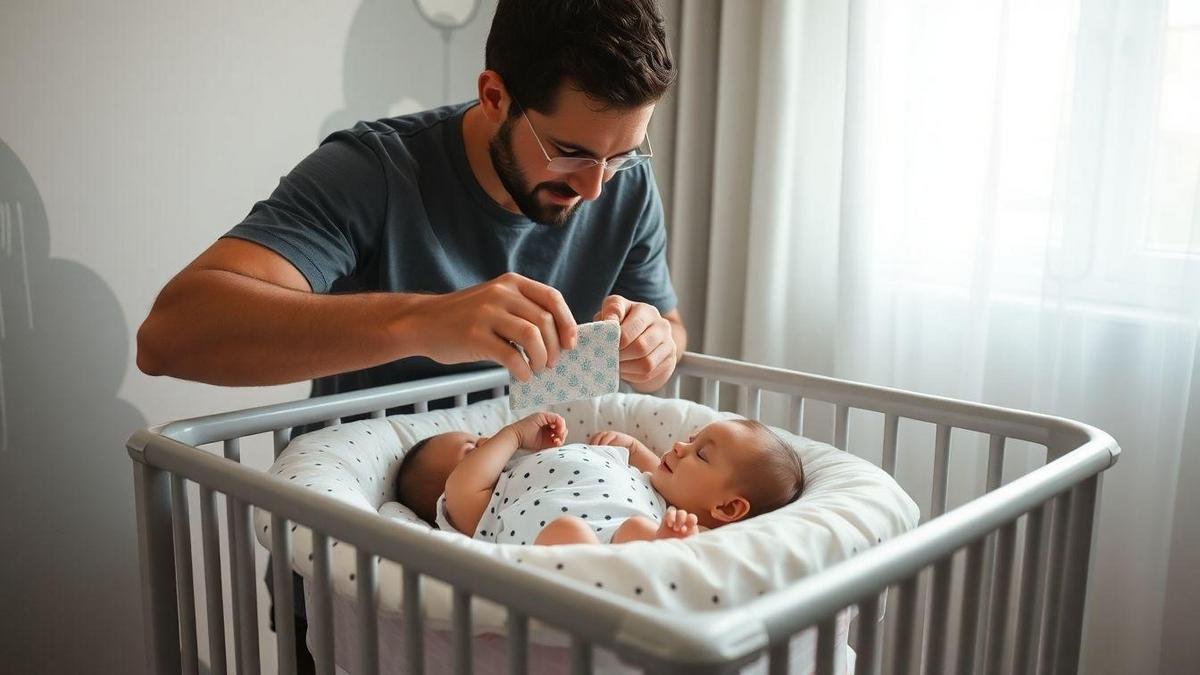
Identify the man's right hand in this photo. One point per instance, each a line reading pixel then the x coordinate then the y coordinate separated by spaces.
pixel 481 323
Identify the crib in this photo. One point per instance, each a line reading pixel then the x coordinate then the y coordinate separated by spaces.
pixel 994 584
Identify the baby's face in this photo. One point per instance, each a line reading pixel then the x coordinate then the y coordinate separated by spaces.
pixel 696 474
pixel 444 452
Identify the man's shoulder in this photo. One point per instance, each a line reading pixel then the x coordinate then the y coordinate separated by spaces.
pixel 412 125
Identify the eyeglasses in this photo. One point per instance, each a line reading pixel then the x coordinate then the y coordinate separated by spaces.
pixel 563 164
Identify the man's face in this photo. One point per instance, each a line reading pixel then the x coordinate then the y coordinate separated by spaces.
pixel 576 129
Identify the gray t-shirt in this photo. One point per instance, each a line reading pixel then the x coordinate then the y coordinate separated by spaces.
pixel 392 205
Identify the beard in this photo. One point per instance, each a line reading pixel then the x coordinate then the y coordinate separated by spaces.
pixel 513 180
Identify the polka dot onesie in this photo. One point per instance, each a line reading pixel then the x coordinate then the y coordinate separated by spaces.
pixel 594 482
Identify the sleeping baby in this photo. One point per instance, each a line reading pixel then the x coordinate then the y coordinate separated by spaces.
pixel 612 490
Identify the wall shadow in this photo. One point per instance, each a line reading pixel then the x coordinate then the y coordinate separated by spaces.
pixel 404 56
pixel 69 579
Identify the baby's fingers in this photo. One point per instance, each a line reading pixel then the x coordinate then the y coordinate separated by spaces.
pixel 680 519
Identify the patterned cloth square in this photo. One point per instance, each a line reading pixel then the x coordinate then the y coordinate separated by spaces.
pixel 590 370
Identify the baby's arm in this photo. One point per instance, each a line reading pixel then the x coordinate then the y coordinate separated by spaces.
pixel 640 457
pixel 469 487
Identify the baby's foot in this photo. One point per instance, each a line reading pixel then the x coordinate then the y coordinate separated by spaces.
pixel 677 524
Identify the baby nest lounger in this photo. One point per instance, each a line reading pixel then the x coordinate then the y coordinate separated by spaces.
pixel 777 593
pixel 848 505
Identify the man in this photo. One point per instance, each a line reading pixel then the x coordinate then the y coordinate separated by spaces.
pixel 426 244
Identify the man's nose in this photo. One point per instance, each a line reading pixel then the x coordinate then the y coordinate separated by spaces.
pixel 588 182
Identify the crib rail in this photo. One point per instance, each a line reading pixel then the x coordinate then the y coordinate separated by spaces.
pixel 1035 629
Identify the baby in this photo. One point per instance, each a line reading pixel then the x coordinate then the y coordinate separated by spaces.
pixel 611 491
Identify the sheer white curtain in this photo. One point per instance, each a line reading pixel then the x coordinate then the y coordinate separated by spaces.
pixel 997 201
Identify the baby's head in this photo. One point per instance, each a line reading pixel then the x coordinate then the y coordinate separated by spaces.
pixel 728 471
pixel 426 466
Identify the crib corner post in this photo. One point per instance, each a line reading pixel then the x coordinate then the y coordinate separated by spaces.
pixel 156 556
pixel 1081 545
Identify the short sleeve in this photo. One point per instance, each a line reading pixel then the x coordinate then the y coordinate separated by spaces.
pixel 441 518
pixel 644 275
pixel 325 215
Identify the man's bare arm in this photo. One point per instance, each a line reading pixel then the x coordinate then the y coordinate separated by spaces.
pixel 241 314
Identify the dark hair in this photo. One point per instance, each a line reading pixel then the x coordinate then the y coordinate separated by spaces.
pixel 614 51
pixel 776 478
pixel 416 494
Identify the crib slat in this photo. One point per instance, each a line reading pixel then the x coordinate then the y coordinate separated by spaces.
pixel 460 400
pixel 368 625
pixel 1031 573
pixel 1070 626
pixel 246 602
pixel 1054 570
pixel 232 452
pixel 581 656
pixel 827 662
pixel 779 657
pixel 279 439
pixel 711 392
pixel 461 638
pixel 997 625
pixel 841 420
pixel 995 467
pixel 941 464
pixel 414 641
pixel 935 641
pixel 995 473
pixel 749 401
pixel 281 579
pixel 518 643
pixel 498 392
pixel 333 422
pixel 796 415
pixel 421 406
pixel 214 604
pixel 181 528
pixel 904 652
pixel 971 606
pixel 378 414
pixel 891 426
pixel 870 638
pixel 321 619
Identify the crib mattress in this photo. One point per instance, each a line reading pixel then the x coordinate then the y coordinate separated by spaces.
pixel 848 505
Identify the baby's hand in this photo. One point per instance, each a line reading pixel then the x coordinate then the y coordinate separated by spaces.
pixel 677 524
pixel 540 430
pixel 612 438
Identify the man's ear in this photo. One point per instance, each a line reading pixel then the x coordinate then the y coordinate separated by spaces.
pixel 733 509
pixel 493 96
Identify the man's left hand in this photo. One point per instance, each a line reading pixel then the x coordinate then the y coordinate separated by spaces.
pixel 647 349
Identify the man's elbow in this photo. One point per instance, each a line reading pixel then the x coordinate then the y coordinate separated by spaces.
pixel 150 353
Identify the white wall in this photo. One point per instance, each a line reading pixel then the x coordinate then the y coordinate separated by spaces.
pixel 132 134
